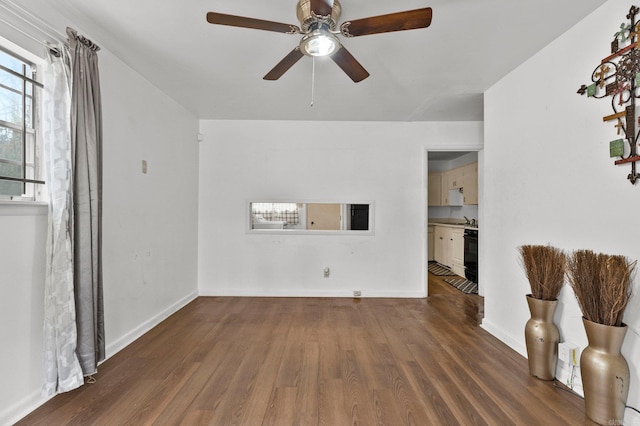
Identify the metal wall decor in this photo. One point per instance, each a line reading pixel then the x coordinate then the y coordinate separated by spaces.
pixel 618 76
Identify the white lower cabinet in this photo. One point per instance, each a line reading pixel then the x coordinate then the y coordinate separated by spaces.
pixel 448 242
pixel 457 264
pixel 431 244
pixel 443 241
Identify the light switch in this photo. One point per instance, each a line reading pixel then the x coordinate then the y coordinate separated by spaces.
pixel 144 167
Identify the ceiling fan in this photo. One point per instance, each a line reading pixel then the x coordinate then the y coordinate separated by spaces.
pixel 319 30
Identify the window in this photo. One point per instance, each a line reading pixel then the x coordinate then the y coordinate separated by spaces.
pixel 19 171
pixel 311 218
pixel 287 212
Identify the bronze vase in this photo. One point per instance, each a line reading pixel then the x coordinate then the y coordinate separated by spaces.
pixel 605 373
pixel 542 337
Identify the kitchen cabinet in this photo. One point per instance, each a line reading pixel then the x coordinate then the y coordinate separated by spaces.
pixel 435 189
pixel 448 247
pixel 455 178
pixel 465 178
pixel 431 243
pixel 470 183
pixel 457 251
pixel 443 245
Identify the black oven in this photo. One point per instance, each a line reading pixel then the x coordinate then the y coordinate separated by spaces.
pixel 471 254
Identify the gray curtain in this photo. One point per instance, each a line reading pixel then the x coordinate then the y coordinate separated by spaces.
pixel 86 143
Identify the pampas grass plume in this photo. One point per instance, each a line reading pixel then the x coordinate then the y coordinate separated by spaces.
pixel 602 285
pixel 544 267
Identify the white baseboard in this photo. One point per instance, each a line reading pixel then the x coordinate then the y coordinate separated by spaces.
pixel 11 415
pixel 504 337
pixel 16 412
pixel 257 292
pixel 124 341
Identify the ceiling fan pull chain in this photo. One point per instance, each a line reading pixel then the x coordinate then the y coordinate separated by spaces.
pixel 313 79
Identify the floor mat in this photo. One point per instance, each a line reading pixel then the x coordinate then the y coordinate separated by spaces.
pixel 438 269
pixel 462 284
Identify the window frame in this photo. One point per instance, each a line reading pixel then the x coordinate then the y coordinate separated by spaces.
pixel 31 161
pixel 249 229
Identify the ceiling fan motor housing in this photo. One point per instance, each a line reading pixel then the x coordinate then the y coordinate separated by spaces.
pixel 308 18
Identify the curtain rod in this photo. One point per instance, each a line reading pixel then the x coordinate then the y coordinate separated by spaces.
pixel 37 40
pixel 32 21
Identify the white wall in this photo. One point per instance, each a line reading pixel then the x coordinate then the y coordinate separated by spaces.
pixel 318 161
pixel 22 254
pixel 150 233
pixel 453 212
pixel 548 178
pixel 150 220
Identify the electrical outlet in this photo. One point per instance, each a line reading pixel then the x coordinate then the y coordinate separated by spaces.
pixel 327 272
pixel 569 353
pixel 564 353
pixel 357 293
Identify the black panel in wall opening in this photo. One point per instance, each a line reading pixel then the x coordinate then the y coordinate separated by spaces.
pixel 359 217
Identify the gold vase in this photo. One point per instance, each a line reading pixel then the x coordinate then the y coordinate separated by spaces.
pixel 605 373
pixel 541 337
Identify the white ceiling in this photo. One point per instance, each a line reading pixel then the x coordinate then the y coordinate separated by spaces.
pixel 438 73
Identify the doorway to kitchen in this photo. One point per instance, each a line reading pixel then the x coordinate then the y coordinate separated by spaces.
pixel 453 228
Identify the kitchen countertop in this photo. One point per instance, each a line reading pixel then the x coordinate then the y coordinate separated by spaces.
pixel 452 224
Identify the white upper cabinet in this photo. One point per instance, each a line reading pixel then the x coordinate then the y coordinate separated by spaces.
pixel 435 188
pixel 470 183
pixel 465 178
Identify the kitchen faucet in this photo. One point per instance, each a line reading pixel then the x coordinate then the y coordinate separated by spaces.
pixel 466 220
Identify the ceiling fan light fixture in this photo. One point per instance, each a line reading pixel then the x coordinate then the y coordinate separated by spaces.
pixel 319 42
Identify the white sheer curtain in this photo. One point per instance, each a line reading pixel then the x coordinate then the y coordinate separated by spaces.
pixel 62 369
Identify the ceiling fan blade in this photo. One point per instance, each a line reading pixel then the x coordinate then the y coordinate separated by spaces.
pixel 321 7
pixel 284 65
pixel 257 24
pixel 400 21
pixel 349 65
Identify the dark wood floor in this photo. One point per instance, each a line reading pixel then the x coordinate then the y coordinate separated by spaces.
pixel 279 361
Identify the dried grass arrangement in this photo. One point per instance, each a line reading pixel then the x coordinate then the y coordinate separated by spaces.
pixel 602 285
pixel 544 267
